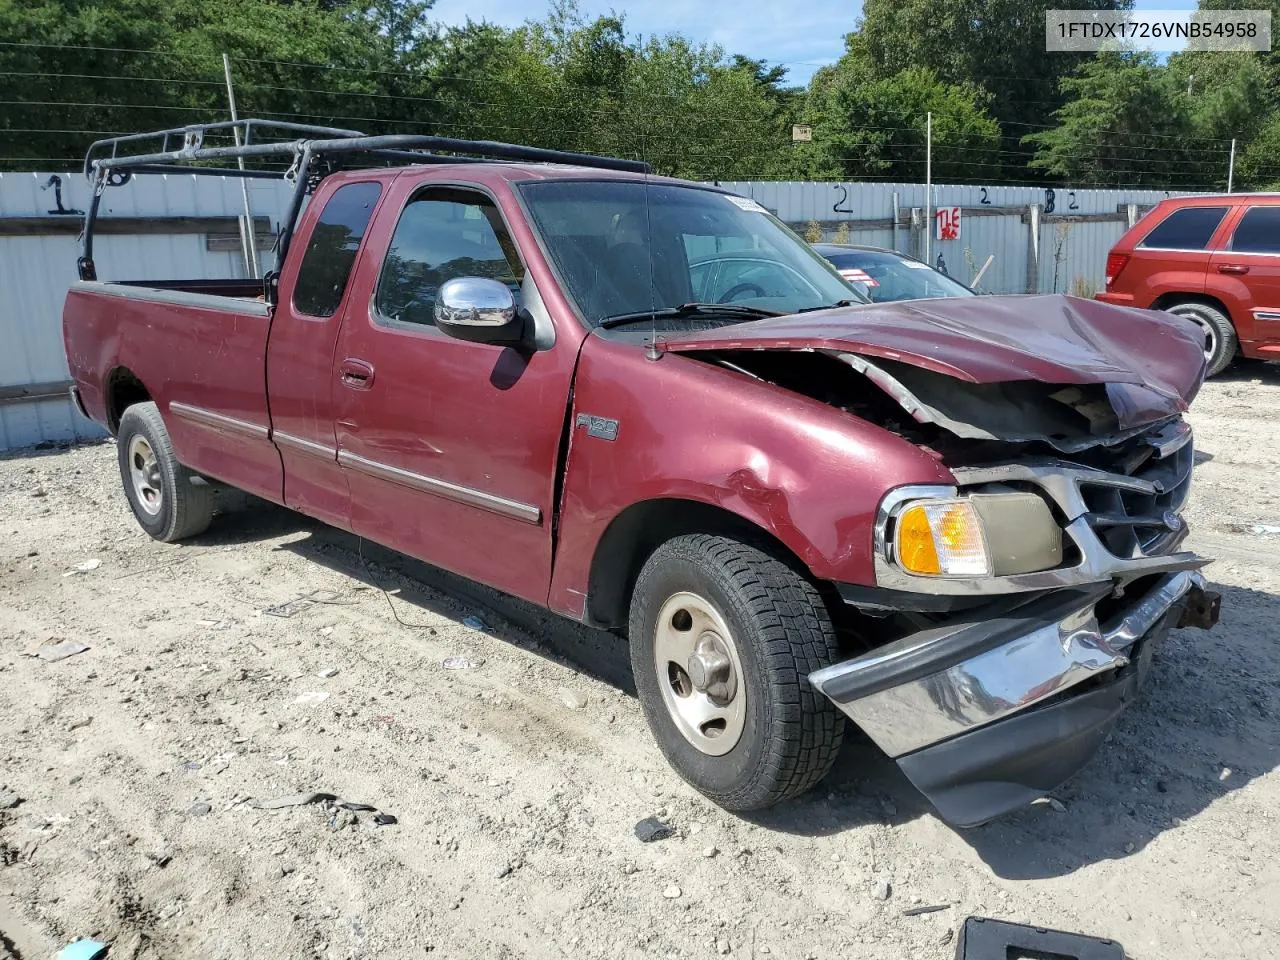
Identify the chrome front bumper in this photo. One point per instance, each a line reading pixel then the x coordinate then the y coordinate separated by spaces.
pixel 975 676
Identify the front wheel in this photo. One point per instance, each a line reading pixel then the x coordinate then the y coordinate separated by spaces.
pixel 1219 335
pixel 723 639
pixel 169 501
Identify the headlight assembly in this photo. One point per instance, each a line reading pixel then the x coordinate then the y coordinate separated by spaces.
pixel 974 535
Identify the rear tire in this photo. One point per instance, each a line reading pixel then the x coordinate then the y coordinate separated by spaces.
pixel 169 501
pixel 758 733
pixel 1220 336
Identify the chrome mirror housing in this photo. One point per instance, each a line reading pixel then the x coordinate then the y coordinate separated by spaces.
pixel 478 309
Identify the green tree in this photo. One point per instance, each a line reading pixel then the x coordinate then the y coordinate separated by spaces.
pixel 787 104
pixel 571 83
pixel 866 127
pixel 80 69
pixel 695 115
pixel 1128 121
pixel 1257 166
pixel 995 44
pixel 1228 93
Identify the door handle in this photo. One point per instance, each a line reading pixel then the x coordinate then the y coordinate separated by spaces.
pixel 356 374
pixel 1236 268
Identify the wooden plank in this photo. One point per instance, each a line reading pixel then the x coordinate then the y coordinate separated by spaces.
pixel 20 393
pixel 991 210
pixel 138 226
pixel 224 243
pixel 904 218
pixel 1078 218
pixel 800 226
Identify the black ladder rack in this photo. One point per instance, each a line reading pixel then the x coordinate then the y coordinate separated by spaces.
pixel 115 160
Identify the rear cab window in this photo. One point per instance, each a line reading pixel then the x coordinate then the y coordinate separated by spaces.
pixel 1186 228
pixel 1258 231
pixel 331 251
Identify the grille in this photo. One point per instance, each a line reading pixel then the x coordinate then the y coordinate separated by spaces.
pixel 1134 508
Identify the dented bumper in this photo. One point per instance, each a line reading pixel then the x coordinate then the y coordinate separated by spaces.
pixel 986 713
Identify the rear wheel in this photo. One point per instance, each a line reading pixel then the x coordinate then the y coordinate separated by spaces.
pixel 723 639
pixel 169 501
pixel 1219 335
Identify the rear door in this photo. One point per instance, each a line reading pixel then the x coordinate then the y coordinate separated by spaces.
pixel 304 333
pixel 1245 276
pixel 1174 254
pixel 450 448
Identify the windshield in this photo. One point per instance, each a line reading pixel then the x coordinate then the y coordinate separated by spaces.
pixel 625 247
pixel 889 276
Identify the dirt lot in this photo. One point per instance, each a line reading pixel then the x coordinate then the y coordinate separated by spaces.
pixel 516 782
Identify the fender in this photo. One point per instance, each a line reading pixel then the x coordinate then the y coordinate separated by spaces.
pixel 807 474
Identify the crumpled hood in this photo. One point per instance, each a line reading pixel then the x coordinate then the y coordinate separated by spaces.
pixel 1151 363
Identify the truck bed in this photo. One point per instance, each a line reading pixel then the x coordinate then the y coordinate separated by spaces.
pixel 200 347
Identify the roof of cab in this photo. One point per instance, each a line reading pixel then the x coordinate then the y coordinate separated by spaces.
pixel 1218 199
pixel 493 173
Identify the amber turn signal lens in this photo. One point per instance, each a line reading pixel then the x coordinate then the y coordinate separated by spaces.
pixel 916 551
pixel 942 537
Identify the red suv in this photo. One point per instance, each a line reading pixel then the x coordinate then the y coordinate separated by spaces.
pixel 1211 259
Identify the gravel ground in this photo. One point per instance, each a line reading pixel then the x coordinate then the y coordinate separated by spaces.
pixel 516 781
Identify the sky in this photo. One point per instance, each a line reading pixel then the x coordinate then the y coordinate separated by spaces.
pixel 801 36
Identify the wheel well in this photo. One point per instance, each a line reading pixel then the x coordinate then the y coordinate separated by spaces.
pixel 123 391
pixel 1167 300
pixel 643 527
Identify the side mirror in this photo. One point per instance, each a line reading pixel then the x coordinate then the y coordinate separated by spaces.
pixel 479 310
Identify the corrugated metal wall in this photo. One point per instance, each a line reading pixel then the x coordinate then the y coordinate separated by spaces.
pixel 1072 252
pixel 35 272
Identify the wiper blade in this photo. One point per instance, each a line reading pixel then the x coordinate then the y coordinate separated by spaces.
pixel 733 310
pixel 832 306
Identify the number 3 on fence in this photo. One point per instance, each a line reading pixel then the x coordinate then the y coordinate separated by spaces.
pixel 948 220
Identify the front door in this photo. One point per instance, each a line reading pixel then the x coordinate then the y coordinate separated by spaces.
pixel 450 448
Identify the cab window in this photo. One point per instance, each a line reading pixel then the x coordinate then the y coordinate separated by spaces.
pixel 331 251
pixel 443 234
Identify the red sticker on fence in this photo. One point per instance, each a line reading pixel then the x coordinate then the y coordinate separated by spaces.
pixel 948 220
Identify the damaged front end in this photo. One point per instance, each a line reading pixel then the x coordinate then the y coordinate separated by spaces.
pixel 995 707
pixel 1008 694
pixel 1014 612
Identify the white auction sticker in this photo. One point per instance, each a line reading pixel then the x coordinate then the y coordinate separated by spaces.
pixel 745 203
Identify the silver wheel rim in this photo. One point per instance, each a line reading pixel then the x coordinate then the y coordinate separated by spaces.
pixel 700 673
pixel 1210 332
pixel 144 472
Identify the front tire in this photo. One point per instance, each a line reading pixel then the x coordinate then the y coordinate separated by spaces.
pixel 723 639
pixel 169 501
pixel 1220 342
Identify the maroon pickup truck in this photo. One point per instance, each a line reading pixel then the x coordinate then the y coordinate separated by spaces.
pixel 955 523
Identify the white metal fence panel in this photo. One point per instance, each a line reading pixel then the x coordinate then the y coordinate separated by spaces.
pixel 36 269
pixel 994 222
pixel 1074 255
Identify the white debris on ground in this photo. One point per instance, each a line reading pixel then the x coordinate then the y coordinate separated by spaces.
pixel 502 743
